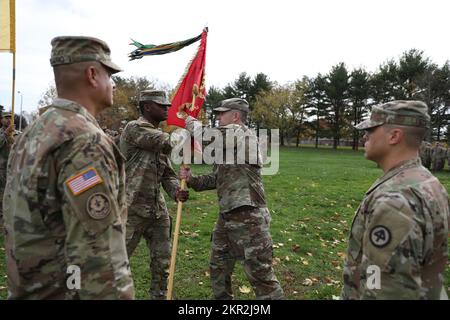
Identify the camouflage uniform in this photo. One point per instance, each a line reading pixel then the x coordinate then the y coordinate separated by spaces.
pixel 242 229
pixel 65 204
pixel 401 227
pixel 6 141
pixel 147 150
pixel 438 157
pixel 425 154
pixel 448 159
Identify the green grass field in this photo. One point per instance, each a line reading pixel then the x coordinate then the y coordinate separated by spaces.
pixel 312 201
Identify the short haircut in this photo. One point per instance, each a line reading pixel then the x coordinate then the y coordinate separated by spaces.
pixel 413 135
pixel 243 115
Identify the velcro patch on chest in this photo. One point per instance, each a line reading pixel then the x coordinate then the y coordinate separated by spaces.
pixel 84 181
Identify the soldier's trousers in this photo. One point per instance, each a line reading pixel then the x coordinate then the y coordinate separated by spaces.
pixel 156 232
pixel 243 235
pixel 438 164
pixel 2 190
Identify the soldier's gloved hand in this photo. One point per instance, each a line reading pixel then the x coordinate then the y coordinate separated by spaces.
pixel 182 195
pixel 185 173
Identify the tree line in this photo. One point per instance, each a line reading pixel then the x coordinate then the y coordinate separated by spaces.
pixel 323 106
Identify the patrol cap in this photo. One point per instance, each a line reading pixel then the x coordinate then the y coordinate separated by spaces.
pixel 232 104
pixel 402 112
pixel 6 114
pixel 157 96
pixel 73 49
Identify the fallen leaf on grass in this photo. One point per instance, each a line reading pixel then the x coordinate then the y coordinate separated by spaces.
pixel 335 297
pixel 309 254
pixel 336 263
pixel 307 282
pixel 295 248
pixel 342 255
pixel 244 289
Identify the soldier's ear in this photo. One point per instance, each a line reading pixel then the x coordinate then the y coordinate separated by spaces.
pixel 91 73
pixel 396 136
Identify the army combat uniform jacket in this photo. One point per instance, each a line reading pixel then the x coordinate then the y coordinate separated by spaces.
pixel 65 212
pixel 6 142
pixel 147 151
pixel 398 240
pixel 237 184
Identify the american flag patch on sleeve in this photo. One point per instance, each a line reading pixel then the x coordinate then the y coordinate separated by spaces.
pixel 84 181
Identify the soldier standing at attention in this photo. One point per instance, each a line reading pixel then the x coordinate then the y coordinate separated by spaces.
pixel 7 137
pixel 65 211
pixel 398 240
pixel 147 150
pixel 242 229
pixel 438 155
pixel 425 154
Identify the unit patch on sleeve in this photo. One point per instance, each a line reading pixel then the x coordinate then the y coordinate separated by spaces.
pixel 84 181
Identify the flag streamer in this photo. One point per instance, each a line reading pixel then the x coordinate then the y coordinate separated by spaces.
pixel 189 94
pixel 152 50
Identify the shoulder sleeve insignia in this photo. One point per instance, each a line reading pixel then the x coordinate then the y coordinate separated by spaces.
pixel 84 181
pixel 98 206
pixel 380 236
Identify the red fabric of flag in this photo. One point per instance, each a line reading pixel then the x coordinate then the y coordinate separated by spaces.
pixel 193 81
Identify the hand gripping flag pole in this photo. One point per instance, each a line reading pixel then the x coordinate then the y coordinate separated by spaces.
pixel 190 85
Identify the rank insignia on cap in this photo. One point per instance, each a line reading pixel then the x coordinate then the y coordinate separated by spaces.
pixel 84 181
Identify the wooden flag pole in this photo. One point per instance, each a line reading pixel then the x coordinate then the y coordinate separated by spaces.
pixel 13 89
pixel 176 232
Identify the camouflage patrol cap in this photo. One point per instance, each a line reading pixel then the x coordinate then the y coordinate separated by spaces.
pixel 73 49
pixel 401 112
pixel 232 104
pixel 157 96
pixel 6 114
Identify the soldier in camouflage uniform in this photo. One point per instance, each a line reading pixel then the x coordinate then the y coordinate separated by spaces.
pixel 438 157
pixel 7 137
pixel 242 229
pixel 425 154
pixel 147 150
pixel 65 211
pixel 448 158
pixel 398 241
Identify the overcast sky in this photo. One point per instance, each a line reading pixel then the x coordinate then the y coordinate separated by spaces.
pixel 283 39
